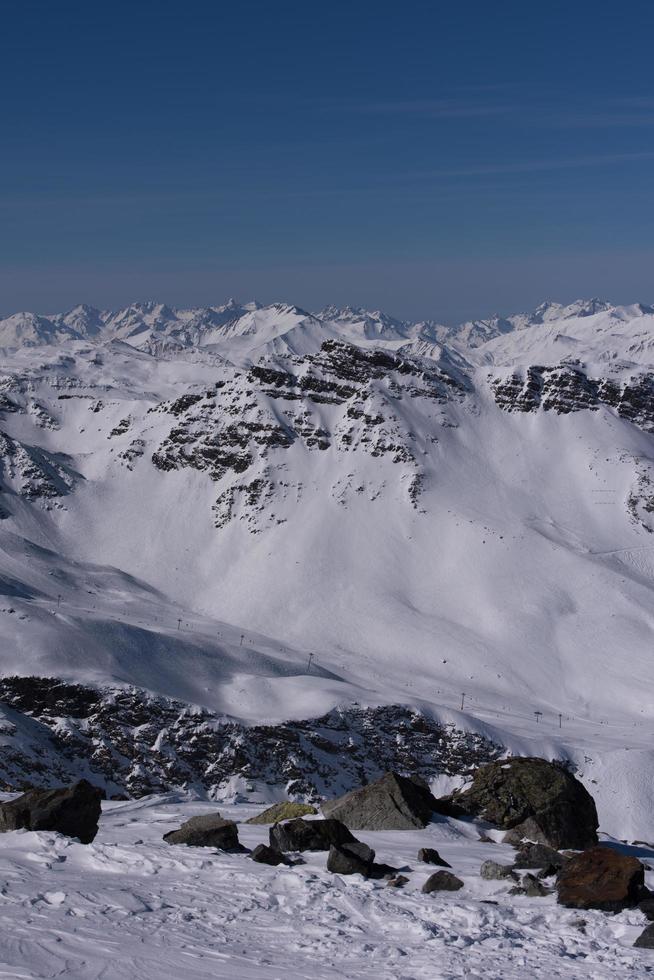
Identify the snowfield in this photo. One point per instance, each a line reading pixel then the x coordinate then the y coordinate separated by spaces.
pixel 131 907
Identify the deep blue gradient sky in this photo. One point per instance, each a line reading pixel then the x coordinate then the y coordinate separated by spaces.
pixel 435 159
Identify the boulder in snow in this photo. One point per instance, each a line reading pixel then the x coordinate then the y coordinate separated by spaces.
pixel 71 810
pixel 493 871
pixel 601 878
pixel 429 855
pixel 442 881
pixel 352 858
pixel 532 798
pixel 208 830
pixel 286 810
pixel 309 835
pixel 393 802
pixel 263 854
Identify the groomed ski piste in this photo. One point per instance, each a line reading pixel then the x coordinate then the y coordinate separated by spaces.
pixel 465 528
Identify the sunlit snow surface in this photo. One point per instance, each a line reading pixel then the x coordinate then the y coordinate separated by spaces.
pixel 131 907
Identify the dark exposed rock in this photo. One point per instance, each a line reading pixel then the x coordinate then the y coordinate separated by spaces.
pixel 393 802
pixel 601 878
pixel 399 881
pixel 442 881
pixel 531 798
pixel 263 854
pixel 567 388
pixel 71 810
pixel 531 887
pixel 112 732
pixel 429 855
pixel 646 938
pixel 282 811
pixel 646 906
pixel 309 835
pixel 352 858
pixel 208 830
pixel 538 856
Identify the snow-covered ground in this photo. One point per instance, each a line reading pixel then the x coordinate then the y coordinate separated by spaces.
pixel 131 907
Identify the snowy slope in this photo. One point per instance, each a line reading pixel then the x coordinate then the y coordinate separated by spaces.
pixel 131 906
pixel 194 502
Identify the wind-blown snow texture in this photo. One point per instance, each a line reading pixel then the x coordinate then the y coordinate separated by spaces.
pixel 269 513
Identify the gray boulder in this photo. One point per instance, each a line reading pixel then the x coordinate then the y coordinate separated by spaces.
pixel 208 830
pixel 442 881
pixel 349 859
pixel 393 802
pixel 70 810
pixel 493 871
pixel 530 798
pixel 309 835
pixel 429 855
pixel 531 887
pixel 646 938
pixel 539 856
pixel 263 854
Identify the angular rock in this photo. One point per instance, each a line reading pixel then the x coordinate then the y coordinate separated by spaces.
pixel 208 830
pixel 646 906
pixel 350 859
pixel 600 878
pixel 442 881
pixel 71 810
pixel 646 938
pixel 263 854
pixel 532 887
pixel 538 856
pixel 429 855
pixel 531 798
pixel 399 881
pixel 309 835
pixel 282 811
pixel 493 871
pixel 393 802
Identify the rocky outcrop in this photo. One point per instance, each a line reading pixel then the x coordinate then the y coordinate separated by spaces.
pixel 566 387
pixel 601 878
pixel 208 830
pixel 282 811
pixel 533 799
pixel 138 743
pixel 393 802
pixel 70 810
pixel 646 938
pixel 309 835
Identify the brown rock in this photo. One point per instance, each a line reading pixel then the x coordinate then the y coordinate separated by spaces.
pixel 600 878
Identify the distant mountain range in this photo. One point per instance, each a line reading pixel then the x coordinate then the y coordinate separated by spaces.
pixel 272 514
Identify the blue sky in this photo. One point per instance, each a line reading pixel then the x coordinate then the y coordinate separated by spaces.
pixel 434 159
